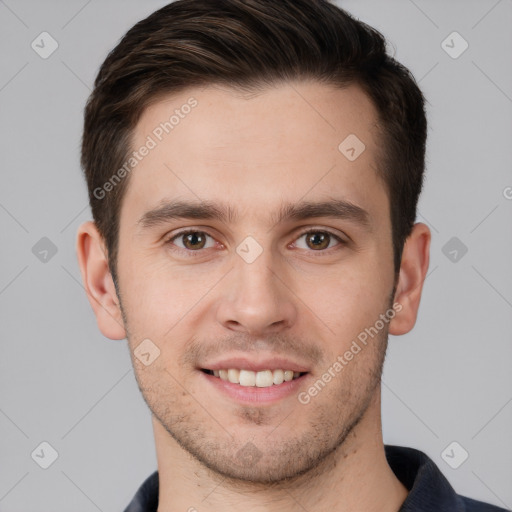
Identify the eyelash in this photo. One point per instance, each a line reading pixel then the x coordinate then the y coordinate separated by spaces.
pixel 190 253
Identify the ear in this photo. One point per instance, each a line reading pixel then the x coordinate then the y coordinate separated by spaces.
pixel 98 283
pixel 413 270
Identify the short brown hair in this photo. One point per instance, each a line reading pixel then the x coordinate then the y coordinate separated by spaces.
pixel 250 45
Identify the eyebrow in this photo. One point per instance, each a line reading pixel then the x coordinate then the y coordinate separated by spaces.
pixel 206 210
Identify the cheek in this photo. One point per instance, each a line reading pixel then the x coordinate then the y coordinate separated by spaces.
pixel 348 301
pixel 160 300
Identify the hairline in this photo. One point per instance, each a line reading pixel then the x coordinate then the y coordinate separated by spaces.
pixel 248 89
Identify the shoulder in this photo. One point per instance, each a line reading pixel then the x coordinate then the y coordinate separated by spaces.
pixel 146 498
pixel 472 505
pixel 428 488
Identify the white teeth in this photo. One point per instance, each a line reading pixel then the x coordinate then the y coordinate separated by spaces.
pixel 263 379
pixel 278 376
pixel 247 378
pixel 234 376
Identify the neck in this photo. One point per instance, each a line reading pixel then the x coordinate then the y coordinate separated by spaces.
pixel 356 476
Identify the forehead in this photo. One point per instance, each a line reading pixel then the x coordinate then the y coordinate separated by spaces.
pixel 301 140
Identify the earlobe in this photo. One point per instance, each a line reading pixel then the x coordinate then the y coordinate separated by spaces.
pixel 98 283
pixel 413 270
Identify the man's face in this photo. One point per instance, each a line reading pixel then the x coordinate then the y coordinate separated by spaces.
pixel 252 291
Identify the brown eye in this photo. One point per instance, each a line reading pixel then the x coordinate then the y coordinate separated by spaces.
pixel 192 240
pixel 318 240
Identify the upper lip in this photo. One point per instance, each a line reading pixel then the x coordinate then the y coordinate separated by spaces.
pixel 256 364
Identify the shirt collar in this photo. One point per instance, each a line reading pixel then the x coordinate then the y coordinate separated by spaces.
pixel 428 488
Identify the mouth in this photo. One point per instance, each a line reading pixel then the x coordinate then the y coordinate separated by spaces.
pixel 263 379
pixel 255 379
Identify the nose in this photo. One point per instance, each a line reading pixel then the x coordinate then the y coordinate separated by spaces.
pixel 255 299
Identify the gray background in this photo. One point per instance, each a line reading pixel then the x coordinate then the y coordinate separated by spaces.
pixel 62 382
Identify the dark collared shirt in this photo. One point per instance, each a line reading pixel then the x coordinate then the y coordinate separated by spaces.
pixel 429 490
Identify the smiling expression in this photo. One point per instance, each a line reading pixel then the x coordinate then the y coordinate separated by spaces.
pixel 252 252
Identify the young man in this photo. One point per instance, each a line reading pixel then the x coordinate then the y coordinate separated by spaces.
pixel 253 170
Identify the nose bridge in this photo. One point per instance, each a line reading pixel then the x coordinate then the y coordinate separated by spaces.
pixel 256 299
pixel 257 278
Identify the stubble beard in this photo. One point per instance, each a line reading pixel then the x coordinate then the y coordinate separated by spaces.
pixel 268 459
pixel 271 460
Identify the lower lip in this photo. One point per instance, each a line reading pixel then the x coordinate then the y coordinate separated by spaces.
pixel 254 394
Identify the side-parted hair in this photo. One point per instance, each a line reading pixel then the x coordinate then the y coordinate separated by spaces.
pixel 251 45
